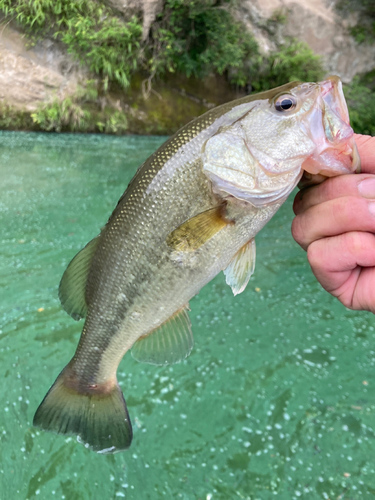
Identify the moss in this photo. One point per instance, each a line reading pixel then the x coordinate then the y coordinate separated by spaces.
pixel 173 102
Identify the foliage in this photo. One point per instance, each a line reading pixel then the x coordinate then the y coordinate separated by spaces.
pixel 364 30
pixel 193 37
pixel 12 118
pixel 115 123
pixel 61 115
pixel 92 33
pixel 196 37
pixel 80 113
pixel 361 104
pixel 293 61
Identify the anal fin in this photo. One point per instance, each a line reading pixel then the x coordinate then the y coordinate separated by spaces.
pixel 241 267
pixel 170 343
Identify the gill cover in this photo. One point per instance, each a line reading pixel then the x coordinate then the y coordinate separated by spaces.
pixel 237 167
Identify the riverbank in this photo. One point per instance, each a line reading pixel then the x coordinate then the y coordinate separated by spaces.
pixel 96 67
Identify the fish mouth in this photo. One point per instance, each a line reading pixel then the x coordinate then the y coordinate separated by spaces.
pixel 336 152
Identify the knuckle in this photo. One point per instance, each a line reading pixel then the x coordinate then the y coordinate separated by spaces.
pixel 330 187
pixel 353 242
pixel 357 241
pixel 315 255
pixel 297 229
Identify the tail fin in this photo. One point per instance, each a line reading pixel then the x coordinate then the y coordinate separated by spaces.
pixel 99 418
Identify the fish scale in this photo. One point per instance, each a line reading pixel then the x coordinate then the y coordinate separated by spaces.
pixel 192 210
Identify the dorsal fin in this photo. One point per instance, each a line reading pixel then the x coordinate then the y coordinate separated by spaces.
pixel 241 267
pixel 73 283
pixel 170 343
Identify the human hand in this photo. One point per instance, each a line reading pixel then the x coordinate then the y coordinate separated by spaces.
pixel 335 224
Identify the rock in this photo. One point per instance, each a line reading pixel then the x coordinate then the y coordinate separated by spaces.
pixel 126 8
pixel 29 76
pixel 151 8
pixel 147 9
pixel 316 22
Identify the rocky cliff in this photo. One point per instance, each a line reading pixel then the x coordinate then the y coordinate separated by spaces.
pixel 33 74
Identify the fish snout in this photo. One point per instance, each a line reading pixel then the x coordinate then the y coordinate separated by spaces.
pixel 336 151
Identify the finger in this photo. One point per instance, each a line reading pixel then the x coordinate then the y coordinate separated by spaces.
pixel 345 266
pixel 335 187
pixel 366 149
pixel 334 217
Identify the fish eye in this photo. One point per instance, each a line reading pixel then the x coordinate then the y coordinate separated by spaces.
pixel 285 103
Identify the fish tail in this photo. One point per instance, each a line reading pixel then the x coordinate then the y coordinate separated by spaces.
pixel 97 414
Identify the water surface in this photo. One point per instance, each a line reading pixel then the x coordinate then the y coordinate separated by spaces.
pixel 276 399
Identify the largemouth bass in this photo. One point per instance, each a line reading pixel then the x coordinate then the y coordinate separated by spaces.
pixel 191 211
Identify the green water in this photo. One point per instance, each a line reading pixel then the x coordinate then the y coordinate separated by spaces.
pixel 276 399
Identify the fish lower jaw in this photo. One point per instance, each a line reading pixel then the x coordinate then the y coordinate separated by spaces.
pixel 332 162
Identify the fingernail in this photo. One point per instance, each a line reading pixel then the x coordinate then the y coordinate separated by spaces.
pixel 367 187
pixel 371 207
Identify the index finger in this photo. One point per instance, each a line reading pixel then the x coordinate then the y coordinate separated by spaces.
pixel 366 149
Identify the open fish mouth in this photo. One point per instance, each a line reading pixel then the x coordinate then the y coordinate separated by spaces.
pixel 330 129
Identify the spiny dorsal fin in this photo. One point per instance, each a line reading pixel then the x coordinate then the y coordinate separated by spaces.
pixel 241 267
pixel 170 343
pixel 194 233
pixel 73 283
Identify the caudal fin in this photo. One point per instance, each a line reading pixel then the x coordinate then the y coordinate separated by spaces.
pixel 100 419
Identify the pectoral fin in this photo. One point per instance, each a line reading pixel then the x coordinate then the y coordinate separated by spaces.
pixel 73 283
pixel 241 268
pixel 170 343
pixel 196 231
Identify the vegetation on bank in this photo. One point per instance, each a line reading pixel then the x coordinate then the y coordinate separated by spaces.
pixel 104 43
pixel 193 37
pixel 364 13
pixel 190 38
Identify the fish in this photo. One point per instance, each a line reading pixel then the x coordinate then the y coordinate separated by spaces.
pixel 192 210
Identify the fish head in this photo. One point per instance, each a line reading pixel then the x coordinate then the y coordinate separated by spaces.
pixel 260 156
